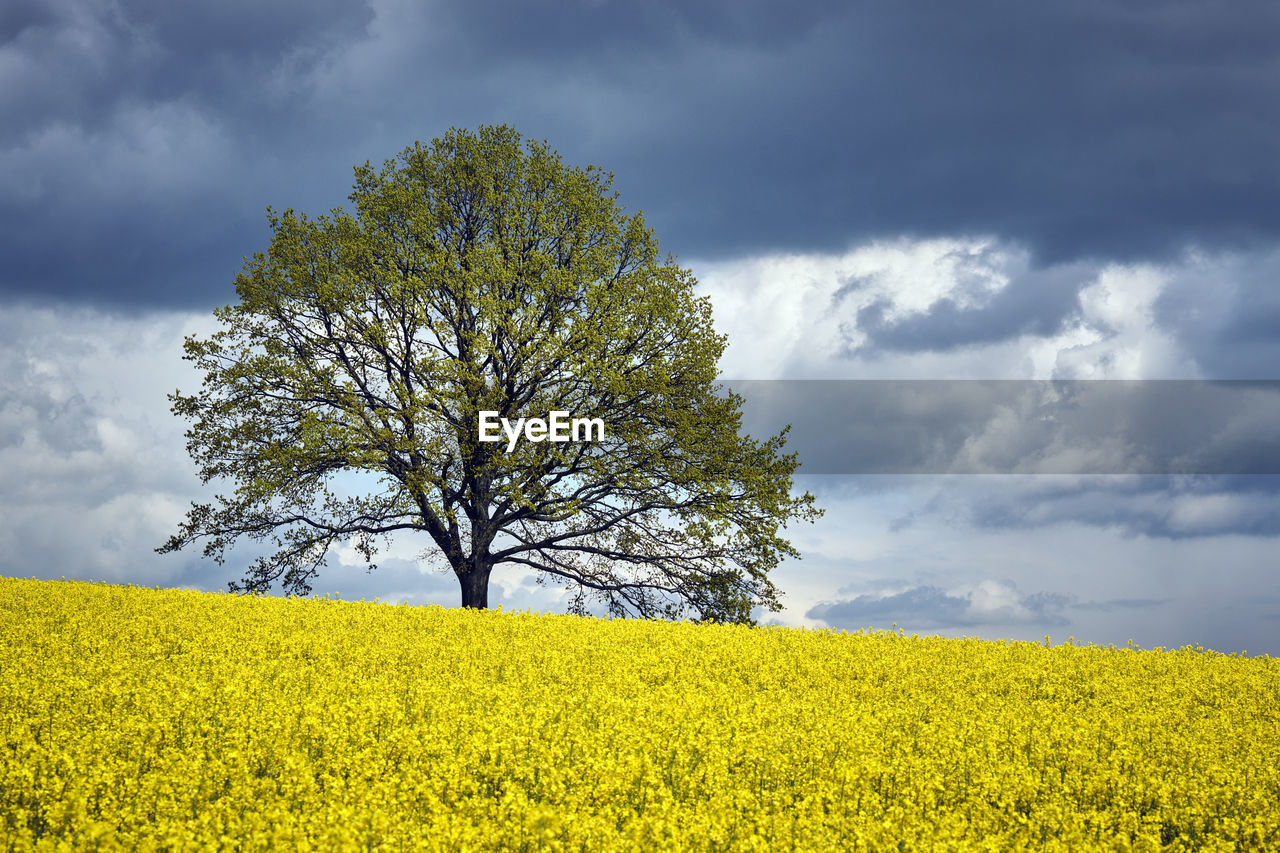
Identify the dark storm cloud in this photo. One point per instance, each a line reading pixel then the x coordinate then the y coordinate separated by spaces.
pixel 77 62
pixel 18 16
pixel 142 140
pixel 1117 130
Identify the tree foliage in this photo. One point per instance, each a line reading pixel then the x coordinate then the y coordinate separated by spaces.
pixel 480 273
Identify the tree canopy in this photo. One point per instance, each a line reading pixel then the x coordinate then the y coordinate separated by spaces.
pixel 480 274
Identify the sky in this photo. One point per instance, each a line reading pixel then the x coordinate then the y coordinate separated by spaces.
pixel 865 191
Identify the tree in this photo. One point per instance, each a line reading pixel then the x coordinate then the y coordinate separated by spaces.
pixel 477 275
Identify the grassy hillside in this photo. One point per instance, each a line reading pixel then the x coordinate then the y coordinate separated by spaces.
pixel 140 718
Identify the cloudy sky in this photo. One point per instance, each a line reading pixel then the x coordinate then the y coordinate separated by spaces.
pixel 891 191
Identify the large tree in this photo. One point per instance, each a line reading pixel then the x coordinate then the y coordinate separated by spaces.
pixel 482 274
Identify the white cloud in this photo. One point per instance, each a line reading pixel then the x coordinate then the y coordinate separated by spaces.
pixel 1115 335
pixel 798 316
pixel 93 471
pixel 1219 512
pixel 794 315
pixel 997 601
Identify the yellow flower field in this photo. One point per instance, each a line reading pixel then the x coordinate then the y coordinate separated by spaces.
pixel 135 718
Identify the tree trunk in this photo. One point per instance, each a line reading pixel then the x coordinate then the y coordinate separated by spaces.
pixel 475 588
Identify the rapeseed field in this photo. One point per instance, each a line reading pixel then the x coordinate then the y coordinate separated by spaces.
pixel 135 718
